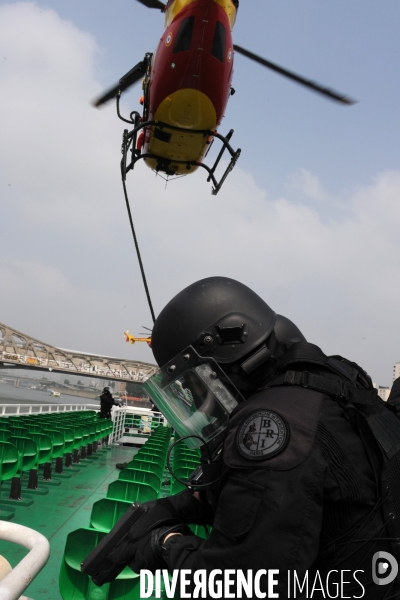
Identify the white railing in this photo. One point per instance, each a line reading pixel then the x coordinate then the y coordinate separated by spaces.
pixel 13 584
pixel 7 410
pixel 135 435
pixel 118 419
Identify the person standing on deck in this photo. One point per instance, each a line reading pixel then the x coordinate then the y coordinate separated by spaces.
pixel 106 403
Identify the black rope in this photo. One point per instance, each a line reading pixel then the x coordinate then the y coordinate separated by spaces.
pixel 138 252
pixel 187 482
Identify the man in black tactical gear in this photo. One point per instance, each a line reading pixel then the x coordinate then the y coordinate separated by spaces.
pixel 306 456
pixel 106 403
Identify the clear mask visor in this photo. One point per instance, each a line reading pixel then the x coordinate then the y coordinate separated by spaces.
pixel 195 396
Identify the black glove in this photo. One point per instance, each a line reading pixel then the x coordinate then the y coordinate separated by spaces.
pixel 141 547
pixel 146 553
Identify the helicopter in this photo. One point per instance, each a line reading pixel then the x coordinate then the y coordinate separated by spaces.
pixel 186 85
pixel 132 340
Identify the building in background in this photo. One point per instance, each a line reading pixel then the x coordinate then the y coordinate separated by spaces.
pixel 396 370
pixel 120 387
pixel 383 392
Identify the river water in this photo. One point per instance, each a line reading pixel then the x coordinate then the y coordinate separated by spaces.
pixel 22 395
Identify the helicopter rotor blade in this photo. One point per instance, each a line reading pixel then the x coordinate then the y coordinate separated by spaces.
pixel 153 4
pixel 316 87
pixel 129 79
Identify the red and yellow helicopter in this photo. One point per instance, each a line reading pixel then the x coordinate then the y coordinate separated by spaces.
pixel 132 340
pixel 186 87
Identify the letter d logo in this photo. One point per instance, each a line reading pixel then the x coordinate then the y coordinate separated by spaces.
pixel 384 568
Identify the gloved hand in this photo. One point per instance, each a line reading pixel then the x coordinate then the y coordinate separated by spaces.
pixel 145 553
pixel 141 547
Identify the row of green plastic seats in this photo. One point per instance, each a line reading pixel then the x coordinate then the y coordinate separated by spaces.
pixel 146 468
pixel 75 585
pixel 25 448
pixel 74 431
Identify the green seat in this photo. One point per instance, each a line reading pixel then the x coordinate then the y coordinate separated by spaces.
pixel 176 487
pixel 150 458
pixel 183 472
pixel 99 430
pixel 44 446
pixel 156 452
pixel 14 420
pixel 141 477
pixel 8 461
pixel 86 433
pixel 78 436
pixel 75 585
pixel 109 427
pixel 4 434
pixel 189 464
pixel 131 491
pixel 19 431
pixel 27 452
pixel 156 444
pixel 161 430
pixel 91 447
pixel 106 512
pixel 146 465
pixel 165 441
pixel 90 413
pixel 69 438
pixel 57 439
pixel 153 449
pixel 92 432
pixel 33 428
pixel 182 451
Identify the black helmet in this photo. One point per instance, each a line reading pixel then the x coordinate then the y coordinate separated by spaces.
pixel 218 316
pixel 106 389
pixel 287 332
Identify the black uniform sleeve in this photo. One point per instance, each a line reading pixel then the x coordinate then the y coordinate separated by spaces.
pixel 269 512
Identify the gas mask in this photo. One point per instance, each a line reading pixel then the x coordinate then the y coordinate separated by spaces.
pixel 195 396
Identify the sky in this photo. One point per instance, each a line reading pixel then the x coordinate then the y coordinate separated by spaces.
pixel 308 219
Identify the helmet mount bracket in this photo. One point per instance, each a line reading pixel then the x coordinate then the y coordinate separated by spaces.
pixel 256 359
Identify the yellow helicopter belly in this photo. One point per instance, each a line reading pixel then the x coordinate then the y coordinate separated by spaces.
pixel 188 109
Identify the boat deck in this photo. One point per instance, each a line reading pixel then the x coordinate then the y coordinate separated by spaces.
pixel 65 508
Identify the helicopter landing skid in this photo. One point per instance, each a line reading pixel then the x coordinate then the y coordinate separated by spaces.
pixel 129 144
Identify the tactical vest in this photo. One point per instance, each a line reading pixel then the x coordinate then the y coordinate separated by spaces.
pixel 378 421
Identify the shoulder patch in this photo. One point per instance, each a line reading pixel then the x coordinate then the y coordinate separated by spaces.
pixel 262 435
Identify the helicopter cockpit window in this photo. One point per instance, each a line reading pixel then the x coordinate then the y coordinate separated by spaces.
pixel 184 36
pixel 219 42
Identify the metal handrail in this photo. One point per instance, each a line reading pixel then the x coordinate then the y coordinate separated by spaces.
pixel 15 409
pixel 13 584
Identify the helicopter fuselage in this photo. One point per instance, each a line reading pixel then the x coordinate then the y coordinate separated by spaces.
pixel 189 83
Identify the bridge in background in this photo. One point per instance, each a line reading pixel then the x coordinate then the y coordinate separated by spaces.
pixel 23 351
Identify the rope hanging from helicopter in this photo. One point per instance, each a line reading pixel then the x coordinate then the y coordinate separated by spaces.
pixel 125 148
pixel 129 144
